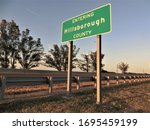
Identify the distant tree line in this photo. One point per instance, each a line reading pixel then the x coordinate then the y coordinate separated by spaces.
pixel 21 48
pixel 58 58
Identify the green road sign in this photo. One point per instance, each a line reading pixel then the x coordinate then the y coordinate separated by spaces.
pixel 94 22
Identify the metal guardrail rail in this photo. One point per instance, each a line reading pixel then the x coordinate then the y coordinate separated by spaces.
pixel 18 77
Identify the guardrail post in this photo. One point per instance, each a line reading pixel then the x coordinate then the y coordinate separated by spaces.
pixel 2 86
pixel 134 79
pixel 129 77
pixel 117 81
pixel 125 78
pixel 148 77
pixel 144 78
pixel 108 81
pixel 137 78
pixel 78 82
pixel 141 79
pixel 50 84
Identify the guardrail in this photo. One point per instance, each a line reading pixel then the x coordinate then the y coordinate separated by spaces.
pixel 16 77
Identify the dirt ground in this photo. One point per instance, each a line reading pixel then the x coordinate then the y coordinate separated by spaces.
pixel 132 98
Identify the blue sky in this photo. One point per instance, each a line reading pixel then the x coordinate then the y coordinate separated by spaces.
pixel 129 40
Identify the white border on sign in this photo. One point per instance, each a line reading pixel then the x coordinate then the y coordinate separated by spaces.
pixel 83 14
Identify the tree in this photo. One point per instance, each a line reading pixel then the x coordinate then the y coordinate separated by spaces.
pixel 123 67
pixel 9 39
pixel 88 62
pixel 93 60
pixel 30 51
pixel 84 64
pixel 58 57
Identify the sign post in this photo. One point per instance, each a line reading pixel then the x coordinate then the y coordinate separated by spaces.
pixel 98 70
pixel 94 22
pixel 69 75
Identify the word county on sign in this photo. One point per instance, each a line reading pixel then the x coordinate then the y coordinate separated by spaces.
pixel 94 22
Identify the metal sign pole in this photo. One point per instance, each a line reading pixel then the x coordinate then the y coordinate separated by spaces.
pixel 69 77
pixel 98 73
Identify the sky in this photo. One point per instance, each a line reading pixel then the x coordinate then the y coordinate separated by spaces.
pixel 129 40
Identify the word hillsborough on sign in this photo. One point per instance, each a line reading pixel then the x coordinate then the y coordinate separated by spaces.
pixel 94 22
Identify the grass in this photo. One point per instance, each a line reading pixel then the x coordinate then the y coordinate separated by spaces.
pixel 122 98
